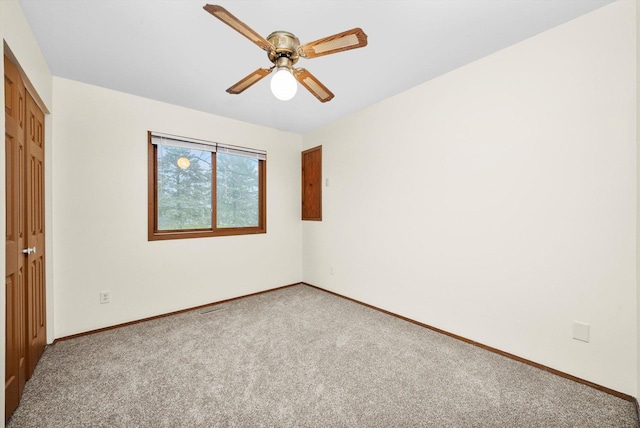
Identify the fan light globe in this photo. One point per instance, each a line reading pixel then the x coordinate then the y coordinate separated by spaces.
pixel 283 84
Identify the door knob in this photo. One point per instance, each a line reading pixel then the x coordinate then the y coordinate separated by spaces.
pixel 29 250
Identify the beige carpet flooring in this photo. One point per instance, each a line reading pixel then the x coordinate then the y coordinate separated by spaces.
pixel 298 357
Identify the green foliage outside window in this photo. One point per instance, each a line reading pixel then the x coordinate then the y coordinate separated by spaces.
pixel 237 191
pixel 184 189
pixel 184 194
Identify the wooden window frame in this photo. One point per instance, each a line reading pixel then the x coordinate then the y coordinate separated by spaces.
pixel 156 235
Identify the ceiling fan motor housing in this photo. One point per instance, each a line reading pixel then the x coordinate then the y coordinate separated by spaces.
pixel 286 46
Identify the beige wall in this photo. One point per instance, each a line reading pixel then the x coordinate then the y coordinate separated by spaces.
pixel 100 213
pixel 498 202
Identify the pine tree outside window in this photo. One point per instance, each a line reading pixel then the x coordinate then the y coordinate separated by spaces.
pixel 199 188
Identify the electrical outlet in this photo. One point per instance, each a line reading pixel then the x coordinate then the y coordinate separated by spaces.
pixel 105 297
pixel 330 270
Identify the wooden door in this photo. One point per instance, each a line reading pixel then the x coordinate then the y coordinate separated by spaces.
pixel 34 169
pixel 312 184
pixel 15 123
pixel 24 241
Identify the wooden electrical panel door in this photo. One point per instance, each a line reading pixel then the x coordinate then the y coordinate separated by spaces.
pixel 34 168
pixel 312 184
pixel 15 285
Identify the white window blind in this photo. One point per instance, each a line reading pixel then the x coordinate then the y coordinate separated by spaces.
pixel 242 151
pixel 191 143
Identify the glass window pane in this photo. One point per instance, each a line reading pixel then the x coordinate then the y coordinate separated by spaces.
pixel 237 191
pixel 184 188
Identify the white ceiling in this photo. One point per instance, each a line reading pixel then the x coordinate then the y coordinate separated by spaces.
pixel 176 52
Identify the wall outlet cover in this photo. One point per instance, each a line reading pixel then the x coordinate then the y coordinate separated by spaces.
pixel 581 331
pixel 105 297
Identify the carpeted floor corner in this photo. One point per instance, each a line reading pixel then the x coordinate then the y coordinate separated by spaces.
pixel 298 357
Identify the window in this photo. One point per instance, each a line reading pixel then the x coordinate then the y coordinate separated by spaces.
pixel 198 188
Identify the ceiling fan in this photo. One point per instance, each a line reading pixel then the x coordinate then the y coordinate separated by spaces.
pixel 284 50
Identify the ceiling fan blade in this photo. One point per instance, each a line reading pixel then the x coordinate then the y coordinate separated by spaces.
pixel 249 80
pixel 350 39
pixel 225 16
pixel 313 85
